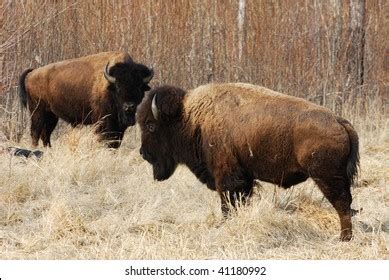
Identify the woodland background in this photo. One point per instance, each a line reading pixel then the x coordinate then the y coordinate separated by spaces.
pixel 334 53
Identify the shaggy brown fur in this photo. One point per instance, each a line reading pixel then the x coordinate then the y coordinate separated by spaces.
pixel 230 134
pixel 78 92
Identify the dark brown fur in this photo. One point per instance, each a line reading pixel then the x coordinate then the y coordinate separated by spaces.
pixel 77 91
pixel 231 134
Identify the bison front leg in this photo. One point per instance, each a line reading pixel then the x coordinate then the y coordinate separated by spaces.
pixel 110 135
pixel 113 139
pixel 234 189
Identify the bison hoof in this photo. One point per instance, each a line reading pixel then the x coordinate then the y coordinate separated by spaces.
pixel 346 236
pixel 355 212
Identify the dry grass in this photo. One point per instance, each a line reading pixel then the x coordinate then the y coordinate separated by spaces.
pixel 83 201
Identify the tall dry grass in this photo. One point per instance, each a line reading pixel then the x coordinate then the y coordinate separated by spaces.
pixel 83 201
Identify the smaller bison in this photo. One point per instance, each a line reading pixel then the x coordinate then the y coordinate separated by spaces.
pixel 228 135
pixel 102 89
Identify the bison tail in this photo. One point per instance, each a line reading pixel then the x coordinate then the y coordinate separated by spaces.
pixel 22 87
pixel 353 158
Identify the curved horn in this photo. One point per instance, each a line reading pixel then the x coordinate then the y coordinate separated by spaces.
pixel 154 108
pixel 148 78
pixel 109 78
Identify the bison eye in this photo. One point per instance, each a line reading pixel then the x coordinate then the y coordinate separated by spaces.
pixel 151 127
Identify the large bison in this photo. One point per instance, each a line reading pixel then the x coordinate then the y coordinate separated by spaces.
pixel 104 88
pixel 230 134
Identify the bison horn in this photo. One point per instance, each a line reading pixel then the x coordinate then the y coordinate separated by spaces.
pixel 148 78
pixel 109 78
pixel 154 108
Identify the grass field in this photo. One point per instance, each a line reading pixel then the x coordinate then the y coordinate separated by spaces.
pixel 83 201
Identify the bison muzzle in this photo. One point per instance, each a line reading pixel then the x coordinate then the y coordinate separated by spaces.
pixel 228 135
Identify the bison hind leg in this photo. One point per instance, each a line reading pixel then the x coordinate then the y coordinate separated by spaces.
pixel 37 124
pixel 337 190
pixel 50 122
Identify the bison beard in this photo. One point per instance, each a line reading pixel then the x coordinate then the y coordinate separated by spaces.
pixel 163 169
pixel 229 135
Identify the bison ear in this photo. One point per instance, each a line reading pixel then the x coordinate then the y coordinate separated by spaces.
pixel 145 87
pixel 146 73
pixel 167 103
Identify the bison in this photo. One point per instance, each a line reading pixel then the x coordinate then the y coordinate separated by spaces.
pixel 103 88
pixel 230 134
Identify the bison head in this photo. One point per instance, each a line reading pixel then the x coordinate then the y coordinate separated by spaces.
pixel 159 117
pixel 127 85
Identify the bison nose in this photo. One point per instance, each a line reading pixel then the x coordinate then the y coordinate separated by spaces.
pixel 129 107
pixel 132 106
pixel 143 154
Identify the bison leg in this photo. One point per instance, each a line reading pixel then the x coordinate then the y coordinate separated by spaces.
pixel 37 123
pixel 337 191
pixel 234 189
pixel 115 144
pixel 110 133
pixel 113 139
pixel 50 121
